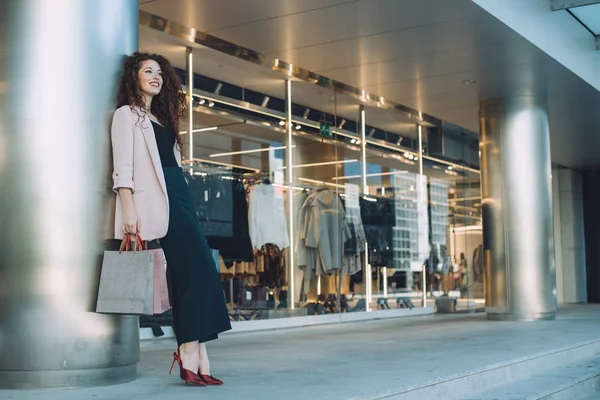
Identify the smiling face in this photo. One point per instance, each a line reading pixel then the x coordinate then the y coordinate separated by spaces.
pixel 150 78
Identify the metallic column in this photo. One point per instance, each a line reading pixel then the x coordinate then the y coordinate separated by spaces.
pixel 367 276
pixel 517 209
pixel 189 65
pixel 289 129
pixel 58 74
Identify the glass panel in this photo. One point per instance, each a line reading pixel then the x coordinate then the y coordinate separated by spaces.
pixel 323 123
pixel 589 16
pixel 455 266
pixel 395 212
pixel 237 179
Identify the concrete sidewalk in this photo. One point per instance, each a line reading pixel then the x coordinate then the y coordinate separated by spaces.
pixel 345 360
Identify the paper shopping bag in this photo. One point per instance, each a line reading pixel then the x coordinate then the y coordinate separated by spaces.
pixel 161 292
pixel 127 281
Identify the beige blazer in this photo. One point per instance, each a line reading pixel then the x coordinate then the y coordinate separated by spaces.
pixel 136 165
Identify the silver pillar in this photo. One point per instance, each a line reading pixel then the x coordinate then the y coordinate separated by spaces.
pixel 517 209
pixel 58 74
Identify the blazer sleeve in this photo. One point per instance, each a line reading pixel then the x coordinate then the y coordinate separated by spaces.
pixel 122 145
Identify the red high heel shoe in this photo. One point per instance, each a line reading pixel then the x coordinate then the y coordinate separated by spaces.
pixel 210 380
pixel 185 374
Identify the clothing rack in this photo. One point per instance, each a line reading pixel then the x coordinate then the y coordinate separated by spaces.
pixel 257 177
pixel 202 169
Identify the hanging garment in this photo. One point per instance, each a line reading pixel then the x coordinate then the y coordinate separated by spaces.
pixel 300 249
pixel 222 211
pixel 478 264
pixel 379 220
pixel 357 241
pixel 326 230
pixel 266 217
pixel 273 274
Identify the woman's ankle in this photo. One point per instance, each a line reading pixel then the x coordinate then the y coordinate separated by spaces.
pixel 203 363
pixel 189 356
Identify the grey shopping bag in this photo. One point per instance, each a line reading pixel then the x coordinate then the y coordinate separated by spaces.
pixel 127 281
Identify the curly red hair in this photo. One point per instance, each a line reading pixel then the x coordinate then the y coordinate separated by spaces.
pixel 169 106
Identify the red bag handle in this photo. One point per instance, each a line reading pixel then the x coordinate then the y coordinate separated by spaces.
pixel 126 244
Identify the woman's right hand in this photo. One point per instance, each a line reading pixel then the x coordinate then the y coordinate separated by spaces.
pixel 131 223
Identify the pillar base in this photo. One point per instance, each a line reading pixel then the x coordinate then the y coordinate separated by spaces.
pixel 68 378
pixel 548 316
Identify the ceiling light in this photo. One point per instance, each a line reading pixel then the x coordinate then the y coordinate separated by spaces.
pixel 226 164
pixel 281 123
pixel 202 101
pixel 233 153
pixel 372 132
pixel 306 112
pixel 353 141
pixel 211 104
pixel 342 123
pixel 319 164
pixel 218 88
pixel 337 178
pixel 209 128
pixel 358 142
pixel 406 154
pixel 265 101
pixel 298 127
pixel 321 182
pixel 450 167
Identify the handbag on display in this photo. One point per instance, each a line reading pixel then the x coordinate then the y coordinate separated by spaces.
pixel 127 280
pixel 161 292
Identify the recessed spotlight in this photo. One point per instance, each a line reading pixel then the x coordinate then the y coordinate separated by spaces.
pixel 450 167
pixel 469 81
pixel 202 101
pixel 281 123
pixel 298 127
pixel 211 104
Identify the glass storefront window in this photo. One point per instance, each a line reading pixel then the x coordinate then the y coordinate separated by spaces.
pixel 364 223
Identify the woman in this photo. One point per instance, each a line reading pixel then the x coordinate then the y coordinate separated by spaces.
pixel 153 201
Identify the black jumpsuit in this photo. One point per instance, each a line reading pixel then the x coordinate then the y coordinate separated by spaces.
pixel 195 289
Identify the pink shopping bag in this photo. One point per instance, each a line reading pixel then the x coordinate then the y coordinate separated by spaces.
pixel 161 292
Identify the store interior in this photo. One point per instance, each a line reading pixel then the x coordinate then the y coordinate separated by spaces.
pixel 367 219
